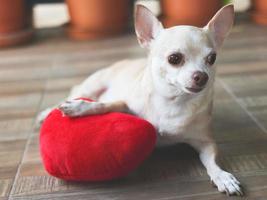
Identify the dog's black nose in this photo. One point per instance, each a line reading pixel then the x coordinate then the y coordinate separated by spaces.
pixel 200 78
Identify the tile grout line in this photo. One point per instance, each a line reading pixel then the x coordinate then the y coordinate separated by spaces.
pixel 27 143
pixel 253 118
pixel 24 152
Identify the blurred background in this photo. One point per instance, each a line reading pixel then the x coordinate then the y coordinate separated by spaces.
pixel 20 20
pixel 48 46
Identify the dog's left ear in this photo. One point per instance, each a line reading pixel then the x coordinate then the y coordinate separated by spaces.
pixel 221 24
pixel 147 26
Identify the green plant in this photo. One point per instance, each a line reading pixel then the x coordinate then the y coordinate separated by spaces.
pixel 225 2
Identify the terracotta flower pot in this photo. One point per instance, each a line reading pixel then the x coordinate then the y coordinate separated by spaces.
pixel 188 12
pixel 92 19
pixel 15 22
pixel 259 11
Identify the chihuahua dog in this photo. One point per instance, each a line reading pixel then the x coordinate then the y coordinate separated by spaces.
pixel 172 88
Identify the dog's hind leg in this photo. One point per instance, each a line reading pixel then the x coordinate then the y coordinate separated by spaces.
pixel 92 88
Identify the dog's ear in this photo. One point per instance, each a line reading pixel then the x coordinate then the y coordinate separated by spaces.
pixel 221 24
pixel 147 26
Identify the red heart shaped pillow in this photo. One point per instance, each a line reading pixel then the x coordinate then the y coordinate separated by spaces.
pixel 94 148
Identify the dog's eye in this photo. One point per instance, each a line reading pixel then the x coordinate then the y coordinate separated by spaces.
pixel 210 60
pixel 176 59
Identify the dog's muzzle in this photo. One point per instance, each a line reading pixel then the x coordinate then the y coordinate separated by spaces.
pixel 199 81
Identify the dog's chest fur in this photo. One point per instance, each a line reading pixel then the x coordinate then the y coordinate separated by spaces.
pixel 178 120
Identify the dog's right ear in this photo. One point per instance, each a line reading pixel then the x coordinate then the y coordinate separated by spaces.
pixel 147 26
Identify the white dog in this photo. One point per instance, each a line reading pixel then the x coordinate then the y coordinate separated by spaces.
pixel 172 88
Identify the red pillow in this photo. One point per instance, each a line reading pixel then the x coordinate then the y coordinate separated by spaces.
pixel 94 148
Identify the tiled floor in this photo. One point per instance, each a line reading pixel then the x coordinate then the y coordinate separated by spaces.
pixel 39 75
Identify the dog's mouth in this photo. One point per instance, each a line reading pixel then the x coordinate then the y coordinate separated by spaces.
pixel 194 89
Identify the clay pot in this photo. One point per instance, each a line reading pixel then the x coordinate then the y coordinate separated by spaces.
pixel 259 11
pixel 92 19
pixel 15 22
pixel 188 12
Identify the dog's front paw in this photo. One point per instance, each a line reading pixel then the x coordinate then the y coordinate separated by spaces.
pixel 76 108
pixel 72 108
pixel 227 183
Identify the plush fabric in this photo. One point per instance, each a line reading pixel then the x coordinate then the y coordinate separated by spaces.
pixel 94 148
